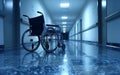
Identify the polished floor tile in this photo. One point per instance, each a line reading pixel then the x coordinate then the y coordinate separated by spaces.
pixel 78 59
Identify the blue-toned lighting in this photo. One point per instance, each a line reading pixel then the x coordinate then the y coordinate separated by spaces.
pixel 64 5
pixel 64 26
pixel 64 30
pixel 64 17
pixel 104 3
pixel 64 22
pixel 9 4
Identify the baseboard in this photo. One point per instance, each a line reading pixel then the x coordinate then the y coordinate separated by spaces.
pixel 1 46
pixel 113 45
pixel 90 42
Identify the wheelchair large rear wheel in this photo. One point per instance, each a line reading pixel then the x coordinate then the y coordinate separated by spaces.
pixel 30 43
pixel 49 40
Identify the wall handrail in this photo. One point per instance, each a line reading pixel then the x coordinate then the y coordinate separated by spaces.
pixel 113 16
pixel 91 27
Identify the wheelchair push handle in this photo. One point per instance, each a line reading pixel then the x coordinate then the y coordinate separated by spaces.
pixel 26 16
pixel 40 12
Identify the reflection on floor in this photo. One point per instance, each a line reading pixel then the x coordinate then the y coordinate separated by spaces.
pixel 78 59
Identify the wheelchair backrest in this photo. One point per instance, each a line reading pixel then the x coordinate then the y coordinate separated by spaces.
pixel 37 25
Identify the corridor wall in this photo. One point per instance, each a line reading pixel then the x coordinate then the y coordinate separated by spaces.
pixel 1 23
pixel 30 8
pixel 1 32
pixel 86 24
pixel 9 20
pixel 113 21
pixel 89 22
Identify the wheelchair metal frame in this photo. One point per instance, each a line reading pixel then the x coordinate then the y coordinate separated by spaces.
pixel 44 36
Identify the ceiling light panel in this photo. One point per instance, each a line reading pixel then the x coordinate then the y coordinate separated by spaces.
pixel 64 5
pixel 64 17
pixel 64 22
pixel 64 26
pixel 64 30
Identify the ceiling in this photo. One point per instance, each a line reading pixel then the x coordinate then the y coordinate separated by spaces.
pixel 56 12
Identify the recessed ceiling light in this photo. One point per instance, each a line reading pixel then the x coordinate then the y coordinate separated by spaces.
pixel 64 5
pixel 64 22
pixel 64 30
pixel 64 26
pixel 64 17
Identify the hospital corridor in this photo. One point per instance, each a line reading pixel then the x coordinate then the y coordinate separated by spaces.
pixel 59 37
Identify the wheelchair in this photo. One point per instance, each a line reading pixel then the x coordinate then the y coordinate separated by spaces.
pixel 38 33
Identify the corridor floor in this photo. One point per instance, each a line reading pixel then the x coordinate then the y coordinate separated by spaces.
pixel 78 59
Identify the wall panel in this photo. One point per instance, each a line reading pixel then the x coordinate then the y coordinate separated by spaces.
pixel 113 21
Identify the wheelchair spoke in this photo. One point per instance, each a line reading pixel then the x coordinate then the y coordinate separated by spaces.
pixel 50 41
pixel 30 43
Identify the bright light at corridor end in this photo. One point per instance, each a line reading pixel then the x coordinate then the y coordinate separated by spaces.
pixel 64 5
pixel 104 3
pixel 64 17
pixel 64 30
pixel 64 22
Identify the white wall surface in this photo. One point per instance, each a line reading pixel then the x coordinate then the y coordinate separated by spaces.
pixel 30 8
pixel 113 26
pixel 113 30
pixel 91 35
pixel 113 6
pixel 90 14
pixel 1 32
pixel 1 24
pixel 89 18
